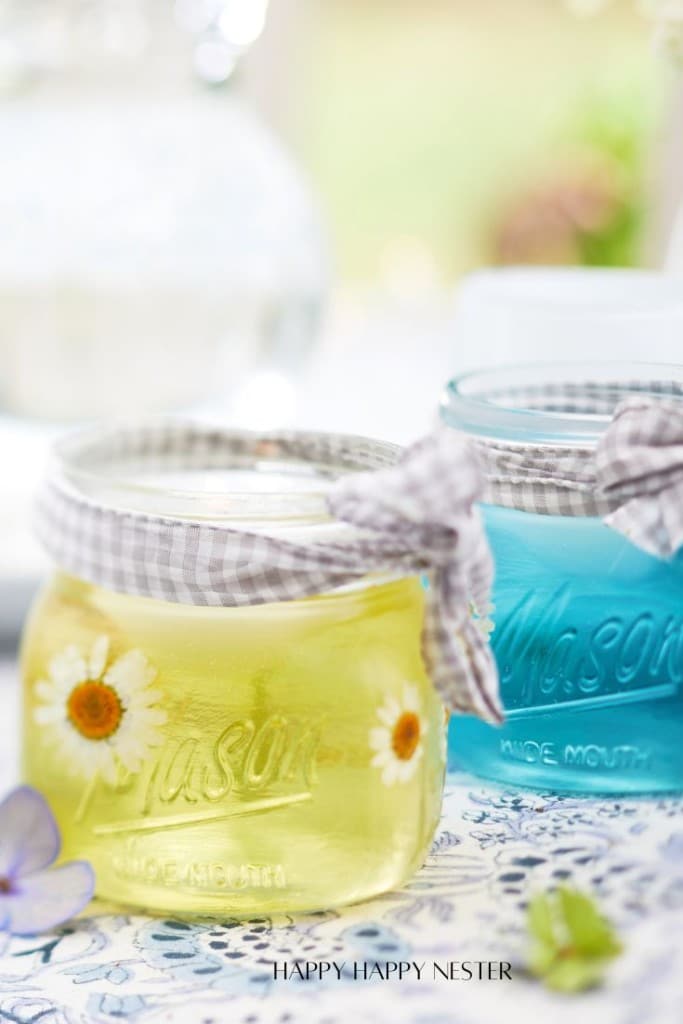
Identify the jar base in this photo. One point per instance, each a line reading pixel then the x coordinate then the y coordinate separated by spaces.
pixel 574 754
pixel 241 905
pixel 541 783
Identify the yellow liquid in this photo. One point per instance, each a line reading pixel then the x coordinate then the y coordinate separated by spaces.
pixel 261 795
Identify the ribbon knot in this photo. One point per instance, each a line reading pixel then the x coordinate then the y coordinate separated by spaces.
pixel 639 465
pixel 421 513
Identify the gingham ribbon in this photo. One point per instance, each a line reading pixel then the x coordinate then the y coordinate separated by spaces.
pixel 633 477
pixel 411 516
pixel 639 467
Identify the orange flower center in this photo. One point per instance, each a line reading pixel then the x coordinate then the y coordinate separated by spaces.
pixel 94 709
pixel 406 736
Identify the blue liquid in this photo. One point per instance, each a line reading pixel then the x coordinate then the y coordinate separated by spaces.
pixel 589 643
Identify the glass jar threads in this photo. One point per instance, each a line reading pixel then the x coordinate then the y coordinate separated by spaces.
pixel 267 756
pixel 587 622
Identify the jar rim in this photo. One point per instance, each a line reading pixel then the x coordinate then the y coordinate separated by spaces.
pixel 198 472
pixel 560 402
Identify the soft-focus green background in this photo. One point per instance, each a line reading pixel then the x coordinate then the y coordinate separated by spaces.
pixel 447 134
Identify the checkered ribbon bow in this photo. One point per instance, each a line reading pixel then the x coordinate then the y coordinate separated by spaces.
pixel 411 516
pixel 420 516
pixel 639 466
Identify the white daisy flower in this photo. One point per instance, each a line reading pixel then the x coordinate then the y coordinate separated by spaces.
pixel 100 717
pixel 398 742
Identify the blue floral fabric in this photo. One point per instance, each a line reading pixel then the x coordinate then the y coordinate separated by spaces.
pixel 494 848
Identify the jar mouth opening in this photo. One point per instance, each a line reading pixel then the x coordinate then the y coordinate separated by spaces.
pixel 198 472
pixel 566 402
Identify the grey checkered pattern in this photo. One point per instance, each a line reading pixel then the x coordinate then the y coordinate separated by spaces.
pixel 633 477
pixel 639 466
pixel 414 514
pixel 588 397
pixel 551 480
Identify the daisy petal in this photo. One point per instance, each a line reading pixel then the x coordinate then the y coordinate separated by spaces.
pixel 49 898
pixel 379 739
pixel 45 691
pixel 68 668
pixel 150 716
pixel 98 656
pixel 108 769
pixel 406 769
pixel 389 712
pixel 29 838
pixel 45 714
pixel 129 674
pixel 411 698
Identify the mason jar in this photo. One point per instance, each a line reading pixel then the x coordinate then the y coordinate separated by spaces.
pixel 587 628
pixel 278 756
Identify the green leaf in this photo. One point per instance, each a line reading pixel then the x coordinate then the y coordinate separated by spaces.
pixel 573 943
pixel 574 975
pixel 542 960
pixel 540 919
pixel 589 933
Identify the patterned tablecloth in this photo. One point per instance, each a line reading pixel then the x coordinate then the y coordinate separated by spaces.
pixel 494 847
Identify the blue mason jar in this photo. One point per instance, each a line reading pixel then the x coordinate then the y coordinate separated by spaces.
pixel 587 628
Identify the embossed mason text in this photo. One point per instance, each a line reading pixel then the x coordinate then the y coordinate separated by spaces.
pixel 546 657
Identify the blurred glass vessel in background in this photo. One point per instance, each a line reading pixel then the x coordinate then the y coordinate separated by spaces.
pixel 158 249
pixel 157 243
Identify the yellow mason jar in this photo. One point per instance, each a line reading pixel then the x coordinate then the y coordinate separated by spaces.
pixel 274 756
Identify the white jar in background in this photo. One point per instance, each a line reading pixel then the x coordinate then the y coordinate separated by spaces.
pixel 527 314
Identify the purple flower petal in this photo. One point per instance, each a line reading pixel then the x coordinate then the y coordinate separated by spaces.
pixel 48 898
pixel 29 837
